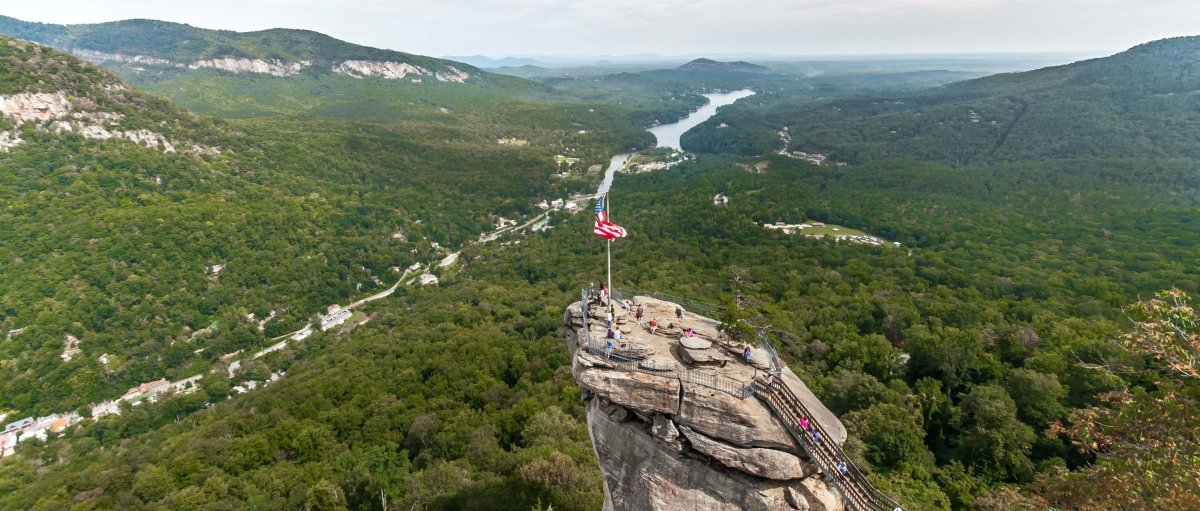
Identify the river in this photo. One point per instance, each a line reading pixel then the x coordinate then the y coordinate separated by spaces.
pixel 668 134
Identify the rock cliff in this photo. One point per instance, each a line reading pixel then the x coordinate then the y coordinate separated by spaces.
pixel 673 434
pixel 388 70
pixel 397 71
pixel 273 67
pixel 55 112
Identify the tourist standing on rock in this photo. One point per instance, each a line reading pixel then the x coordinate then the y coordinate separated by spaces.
pixel 638 314
pixel 610 318
pixel 678 312
pixel 746 354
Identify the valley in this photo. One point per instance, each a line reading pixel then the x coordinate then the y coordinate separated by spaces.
pixel 963 269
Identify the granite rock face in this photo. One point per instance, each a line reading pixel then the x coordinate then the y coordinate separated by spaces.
pixel 765 463
pixel 667 443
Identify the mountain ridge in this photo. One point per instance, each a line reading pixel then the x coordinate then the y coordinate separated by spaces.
pixel 143 43
pixel 1137 103
pixel 739 65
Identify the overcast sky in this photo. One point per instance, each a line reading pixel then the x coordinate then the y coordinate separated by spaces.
pixel 672 27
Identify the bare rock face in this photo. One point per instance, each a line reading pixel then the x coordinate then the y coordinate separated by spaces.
pixel 643 474
pixel 720 415
pixel 639 391
pixel 765 463
pixel 666 443
pixel 664 429
pixel 273 67
pixel 397 71
pixel 54 112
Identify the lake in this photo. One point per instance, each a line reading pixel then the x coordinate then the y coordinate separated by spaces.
pixel 668 135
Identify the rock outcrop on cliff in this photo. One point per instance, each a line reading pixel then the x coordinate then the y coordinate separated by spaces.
pixel 55 112
pixel 671 433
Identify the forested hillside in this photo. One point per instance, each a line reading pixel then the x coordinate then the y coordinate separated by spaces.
pixel 1004 304
pixel 299 72
pixel 1141 103
pixel 1010 352
pixel 157 41
pixel 110 237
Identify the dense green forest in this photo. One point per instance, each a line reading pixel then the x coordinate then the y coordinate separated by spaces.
pixel 455 397
pixel 996 359
pixel 111 241
pixel 1140 103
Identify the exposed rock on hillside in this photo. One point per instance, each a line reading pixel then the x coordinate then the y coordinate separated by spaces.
pixel 396 71
pixel 54 112
pixel 99 57
pixel 271 67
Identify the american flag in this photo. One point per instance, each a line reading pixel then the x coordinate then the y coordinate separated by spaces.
pixel 603 227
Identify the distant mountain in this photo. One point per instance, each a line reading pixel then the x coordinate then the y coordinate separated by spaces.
pixel 491 63
pixel 150 44
pixel 1141 103
pixel 273 72
pixel 713 65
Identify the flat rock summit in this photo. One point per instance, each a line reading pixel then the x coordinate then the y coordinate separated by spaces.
pixel 674 420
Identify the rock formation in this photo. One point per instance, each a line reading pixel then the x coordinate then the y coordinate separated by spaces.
pixel 396 71
pixel 55 112
pixel 689 436
pixel 271 67
pixel 281 69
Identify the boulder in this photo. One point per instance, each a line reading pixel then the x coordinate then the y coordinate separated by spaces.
pixel 812 494
pixel 664 429
pixel 796 499
pixel 695 343
pixel 702 357
pixel 759 358
pixel 640 391
pixel 765 463
pixel 741 422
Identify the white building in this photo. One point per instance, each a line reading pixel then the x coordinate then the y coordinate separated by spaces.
pixel 427 278
pixel 336 315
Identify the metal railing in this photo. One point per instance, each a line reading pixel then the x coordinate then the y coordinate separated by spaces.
pixel 765 343
pixel 615 357
pixel 701 308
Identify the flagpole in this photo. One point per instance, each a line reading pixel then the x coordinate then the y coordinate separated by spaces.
pixel 610 290
pixel 607 204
